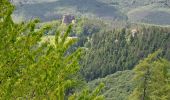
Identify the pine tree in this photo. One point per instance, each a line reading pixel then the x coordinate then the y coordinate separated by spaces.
pixel 30 68
pixel 151 77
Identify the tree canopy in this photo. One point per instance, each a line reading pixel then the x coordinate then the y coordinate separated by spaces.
pixel 152 78
pixel 32 69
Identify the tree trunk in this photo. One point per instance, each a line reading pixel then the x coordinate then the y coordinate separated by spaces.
pixel 145 84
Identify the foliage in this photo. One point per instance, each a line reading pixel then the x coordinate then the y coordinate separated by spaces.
pixel 152 77
pixel 129 84
pixel 118 86
pixel 117 50
pixel 30 69
pixel 88 94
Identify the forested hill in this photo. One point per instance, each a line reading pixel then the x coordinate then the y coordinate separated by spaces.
pixel 118 50
pixel 118 86
pixel 143 11
pixel 100 50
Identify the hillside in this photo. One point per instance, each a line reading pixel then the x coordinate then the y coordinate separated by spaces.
pixel 118 50
pixel 147 11
pixel 100 50
pixel 118 86
pixel 53 10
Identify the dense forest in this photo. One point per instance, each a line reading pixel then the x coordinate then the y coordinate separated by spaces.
pixel 90 59
pixel 119 50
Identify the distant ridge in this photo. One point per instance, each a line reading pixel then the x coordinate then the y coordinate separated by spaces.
pixel 144 11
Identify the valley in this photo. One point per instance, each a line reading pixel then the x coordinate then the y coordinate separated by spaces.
pixel 85 49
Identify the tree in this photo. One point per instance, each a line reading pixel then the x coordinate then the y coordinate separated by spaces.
pixel 151 77
pixel 111 50
pixel 30 68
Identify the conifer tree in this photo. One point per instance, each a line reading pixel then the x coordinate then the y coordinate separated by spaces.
pixel 30 68
pixel 152 79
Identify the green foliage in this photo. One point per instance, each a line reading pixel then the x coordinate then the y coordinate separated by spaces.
pixel 118 86
pixel 30 69
pixel 152 78
pixel 117 50
pixel 87 94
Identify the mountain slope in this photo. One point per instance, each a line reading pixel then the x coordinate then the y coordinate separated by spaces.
pixel 150 14
pixel 52 10
pixel 118 50
pixel 147 11
pixel 118 86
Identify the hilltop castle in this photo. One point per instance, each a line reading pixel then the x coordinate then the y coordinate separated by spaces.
pixel 68 19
